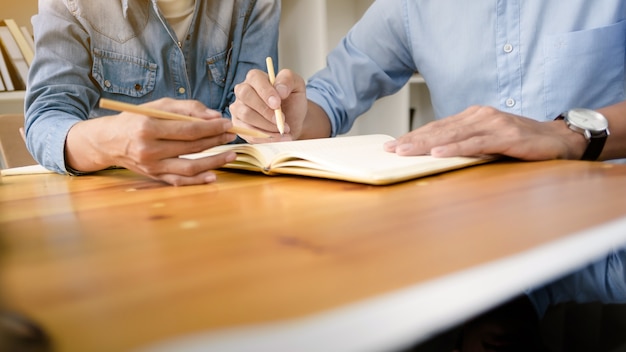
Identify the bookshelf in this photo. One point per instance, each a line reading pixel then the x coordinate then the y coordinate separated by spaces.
pixel 312 28
pixel 13 101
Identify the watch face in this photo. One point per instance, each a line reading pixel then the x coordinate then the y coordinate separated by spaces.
pixel 587 119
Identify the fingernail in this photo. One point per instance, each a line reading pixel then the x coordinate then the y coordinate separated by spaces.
pixel 273 102
pixel 404 148
pixel 231 156
pixel 282 90
pixel 213 113
pixel 391 145
pixel 438 151
pixel 210 178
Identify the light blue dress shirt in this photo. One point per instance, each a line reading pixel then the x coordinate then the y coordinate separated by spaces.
pixel 535 58
pixel 125 50
pixel 603 281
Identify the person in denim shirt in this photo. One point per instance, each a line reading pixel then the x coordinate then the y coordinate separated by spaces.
pixel 182 56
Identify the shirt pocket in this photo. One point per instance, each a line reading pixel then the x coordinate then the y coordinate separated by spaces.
pixel 585 68
pixel 217 67
pixel 217 70
pixel 123 74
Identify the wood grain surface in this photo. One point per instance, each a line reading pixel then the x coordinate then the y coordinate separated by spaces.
pixel 114 261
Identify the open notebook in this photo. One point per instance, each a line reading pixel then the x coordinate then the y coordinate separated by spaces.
pixel 354 158
pixel 25 170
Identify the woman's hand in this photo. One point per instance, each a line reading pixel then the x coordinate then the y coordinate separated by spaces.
pixel 152 146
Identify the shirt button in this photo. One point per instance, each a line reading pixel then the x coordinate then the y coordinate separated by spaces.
pixel 510 102
pixel 107 83
pixel 181 90
pixel 508 48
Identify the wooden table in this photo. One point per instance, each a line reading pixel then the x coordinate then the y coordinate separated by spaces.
pixel 115 261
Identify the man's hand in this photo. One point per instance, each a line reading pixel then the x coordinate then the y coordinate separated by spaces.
pixel 257 99
pixel 481 130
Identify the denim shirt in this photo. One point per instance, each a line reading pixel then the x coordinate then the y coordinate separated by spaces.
pixel 534 58
pixel 125 50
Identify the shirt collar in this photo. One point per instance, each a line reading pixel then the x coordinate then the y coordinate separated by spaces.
pixel 125 6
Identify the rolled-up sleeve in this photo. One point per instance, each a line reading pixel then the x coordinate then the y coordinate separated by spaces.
pixel 59 90
pixel 372 61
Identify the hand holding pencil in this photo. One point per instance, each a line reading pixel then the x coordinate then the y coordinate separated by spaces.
pixel 278 113
pixel 276 102
pixel 160 114
pixel 150 138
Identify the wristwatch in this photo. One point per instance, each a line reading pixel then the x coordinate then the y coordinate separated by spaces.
pixel 591 124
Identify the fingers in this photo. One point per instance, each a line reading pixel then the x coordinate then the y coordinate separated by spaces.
pixel 185 107
pixel 152 146
pixel 424 139
pixel 274 135
pixel 441 132
pixel 421 142
pixel 272 95
pixel 256 100
pixel 481 130
pixel 470 147
pixel 158 140
pixel 189 130
pixel 288 83
pixel 182 171
pixel 178 180
pixel 255 96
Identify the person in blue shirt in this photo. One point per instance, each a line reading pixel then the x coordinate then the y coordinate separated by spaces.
pixel 499 74
pixel 183 56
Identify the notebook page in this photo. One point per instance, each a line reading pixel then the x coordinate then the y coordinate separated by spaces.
pixel 360 158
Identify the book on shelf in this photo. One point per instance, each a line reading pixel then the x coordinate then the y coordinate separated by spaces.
pixel 29 38
pixel 20 40
pixel 359 159
pixel 18 68
pixel 5 74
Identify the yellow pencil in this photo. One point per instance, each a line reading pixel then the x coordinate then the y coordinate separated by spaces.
pixel 160 114
pixel 280 122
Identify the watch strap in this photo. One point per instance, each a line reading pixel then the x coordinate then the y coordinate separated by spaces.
pixel 594 148
pixel 595 145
